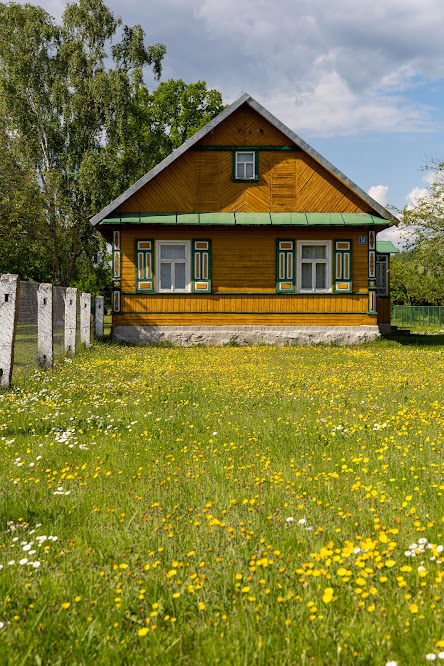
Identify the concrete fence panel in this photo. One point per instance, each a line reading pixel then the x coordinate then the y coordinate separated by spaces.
pixel 85 319
pixel 99 316
pixel 9 289
pixel 70 320
pixel 45 334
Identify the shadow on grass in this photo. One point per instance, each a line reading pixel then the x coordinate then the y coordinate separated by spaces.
pixel 417 339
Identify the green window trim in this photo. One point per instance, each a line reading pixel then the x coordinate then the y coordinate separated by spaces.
pixel 342 266
pixel 201 266
pixel 285 266
pixel 144 262
pixel 256 167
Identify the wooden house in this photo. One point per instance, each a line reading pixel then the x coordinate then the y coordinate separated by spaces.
pixel 245 233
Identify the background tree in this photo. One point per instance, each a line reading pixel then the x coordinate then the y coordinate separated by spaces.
pixel 417 278
pixel 421 268
pixel 22 222
pixel 64 103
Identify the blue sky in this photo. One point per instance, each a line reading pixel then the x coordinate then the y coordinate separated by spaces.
pixel 362 81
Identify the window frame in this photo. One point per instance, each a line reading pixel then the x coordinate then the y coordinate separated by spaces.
pixel 255 177
pixel 158 262
pixel 328 262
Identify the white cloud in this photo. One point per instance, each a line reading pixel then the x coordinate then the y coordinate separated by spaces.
pixel 396 235
pixel 338 68
pixel 324 68
pixel 380 194
pixel 416 194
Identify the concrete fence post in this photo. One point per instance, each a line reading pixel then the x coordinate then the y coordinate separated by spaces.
pixel 44 325
pixel 70 320
pixel 9 292
pixel 99 314
pixel 85 319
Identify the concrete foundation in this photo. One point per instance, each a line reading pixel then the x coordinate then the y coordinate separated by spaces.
pixel 187 336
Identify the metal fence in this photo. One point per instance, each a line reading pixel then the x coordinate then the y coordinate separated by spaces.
pixel 425 316
pixel 39 323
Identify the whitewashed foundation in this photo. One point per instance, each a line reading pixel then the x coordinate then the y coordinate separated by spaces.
pixel 246 335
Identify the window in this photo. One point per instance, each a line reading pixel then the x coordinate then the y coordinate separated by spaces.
pixel 314 266
pixel 245 165
pixel 173 266
pixel 381 275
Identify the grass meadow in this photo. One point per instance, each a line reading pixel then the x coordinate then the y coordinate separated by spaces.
pixel 251 505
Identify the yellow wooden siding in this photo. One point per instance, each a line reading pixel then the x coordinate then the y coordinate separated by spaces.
pixel 245 127
pixel 201 181
pixel 243 258
pixel 242 319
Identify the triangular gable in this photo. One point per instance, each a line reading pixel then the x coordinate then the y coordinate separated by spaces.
pixel 212 128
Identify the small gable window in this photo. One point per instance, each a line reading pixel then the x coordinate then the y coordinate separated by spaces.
pixel 245 165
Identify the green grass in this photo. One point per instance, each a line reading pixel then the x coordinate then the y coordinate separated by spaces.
pixel 175 484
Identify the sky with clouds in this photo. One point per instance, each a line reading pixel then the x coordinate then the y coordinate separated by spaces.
pixel 362 81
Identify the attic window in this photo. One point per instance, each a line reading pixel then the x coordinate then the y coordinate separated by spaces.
pixel 245 166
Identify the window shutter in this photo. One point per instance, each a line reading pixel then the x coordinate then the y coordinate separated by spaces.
pixel 285 266
pixel 145 266
pixel 201 269
pixel 342 268
pixel 116 271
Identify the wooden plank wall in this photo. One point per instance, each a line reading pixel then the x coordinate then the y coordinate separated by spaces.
pixel 243 261
pixel 383 306
pixel 201 181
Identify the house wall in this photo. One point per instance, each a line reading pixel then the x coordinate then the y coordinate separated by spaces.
pixel 243 281
pixel 201 180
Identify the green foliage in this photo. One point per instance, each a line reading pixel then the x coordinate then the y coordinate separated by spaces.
pixel 66 106
pixel 85 128
pixel 417 277
pixel 22 226
pixel 423 267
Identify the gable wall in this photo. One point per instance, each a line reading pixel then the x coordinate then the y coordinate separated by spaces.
pixel 201 181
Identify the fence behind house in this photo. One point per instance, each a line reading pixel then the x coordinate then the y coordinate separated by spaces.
pixel 430 316
pixel 39 323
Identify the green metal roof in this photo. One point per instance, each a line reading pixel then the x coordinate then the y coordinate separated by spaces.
pixel 252 219
pixel 386 247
